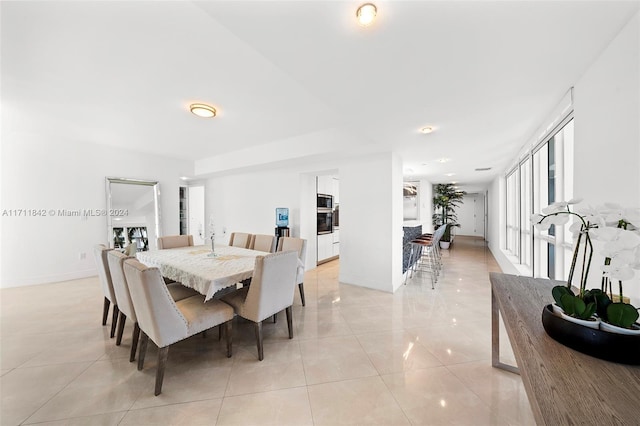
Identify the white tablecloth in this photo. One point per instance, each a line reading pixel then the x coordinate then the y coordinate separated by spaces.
pixel 195 268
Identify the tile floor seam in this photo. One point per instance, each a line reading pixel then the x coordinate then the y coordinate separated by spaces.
pixel 56 393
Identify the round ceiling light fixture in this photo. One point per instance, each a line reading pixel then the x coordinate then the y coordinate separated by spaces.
pixel 426 130
pixel 366 14
pixel 203 110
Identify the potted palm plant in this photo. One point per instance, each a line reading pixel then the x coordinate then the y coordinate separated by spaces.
pixel 445 201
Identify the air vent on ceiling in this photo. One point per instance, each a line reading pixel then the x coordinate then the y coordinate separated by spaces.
pixel 483 169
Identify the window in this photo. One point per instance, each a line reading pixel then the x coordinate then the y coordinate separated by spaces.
pixel 541 178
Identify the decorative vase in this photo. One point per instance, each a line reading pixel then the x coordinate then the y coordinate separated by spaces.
pixel 444 245
pixel 633 331
pixel 593 322
pixel 601 344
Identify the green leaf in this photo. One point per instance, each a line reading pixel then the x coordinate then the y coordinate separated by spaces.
pixel 621 314
pixel 558 291
pixel 569 304
pixel 600 298
pixel 589 311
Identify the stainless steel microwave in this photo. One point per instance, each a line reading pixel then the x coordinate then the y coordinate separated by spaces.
pixel 325 201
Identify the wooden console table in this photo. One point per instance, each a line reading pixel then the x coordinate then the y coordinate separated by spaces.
pixel 563 386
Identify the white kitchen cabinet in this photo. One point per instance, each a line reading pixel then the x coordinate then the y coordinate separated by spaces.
pixel 325 247
pixel 324 185
pixel 336 249
pixel 335 190
pixel 336 236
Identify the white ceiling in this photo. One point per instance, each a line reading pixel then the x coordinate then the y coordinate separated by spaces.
pixel 485 74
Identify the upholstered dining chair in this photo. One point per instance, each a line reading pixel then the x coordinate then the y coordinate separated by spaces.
pixel 263 243
pixel 104 275
pixel 271 291
pixel 125 305
pixel 299 245
pixel 174 241
pixel 240 239
pixel 166 321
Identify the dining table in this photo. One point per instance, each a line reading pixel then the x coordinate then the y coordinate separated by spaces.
pixel 199 268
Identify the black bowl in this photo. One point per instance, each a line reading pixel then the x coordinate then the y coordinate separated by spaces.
pixel 621 348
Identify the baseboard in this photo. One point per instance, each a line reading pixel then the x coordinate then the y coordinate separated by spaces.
pixel 46 279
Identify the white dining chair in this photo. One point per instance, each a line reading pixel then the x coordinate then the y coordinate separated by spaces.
pixel 166 321
pixel 125 305
pixel 271 291
pixel 240 239
pixel 104 275
pixel 300 246
pixel 174 241
pixel 264 243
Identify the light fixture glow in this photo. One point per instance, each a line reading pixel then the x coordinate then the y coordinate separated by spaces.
pixel 366 14
pixel 450 174
pixel 444 160
pixel 203 110
pixel 426 130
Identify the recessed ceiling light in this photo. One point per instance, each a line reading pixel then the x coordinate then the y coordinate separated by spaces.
pixel 203 110
pixel 366 14
pixel 444 160
pixel 426 130
pixel 450 174
pixel 453 182
pixel 184 178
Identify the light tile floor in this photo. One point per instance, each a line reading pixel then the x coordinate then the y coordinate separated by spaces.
pixel 358 356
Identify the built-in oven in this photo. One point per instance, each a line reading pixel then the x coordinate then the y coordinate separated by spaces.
pixel 325 221
pixel 325 201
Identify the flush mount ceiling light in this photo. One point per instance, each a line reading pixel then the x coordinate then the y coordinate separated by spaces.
pixel 444 160
pixel 203 110
pixel 366 14
pixel 426 130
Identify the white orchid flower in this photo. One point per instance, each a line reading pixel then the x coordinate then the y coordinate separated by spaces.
pixel 618 272
pixel 635 264
pixel 632 216
pixel 560 206
pixel 559 219
pixel 576 228
pixel 540 222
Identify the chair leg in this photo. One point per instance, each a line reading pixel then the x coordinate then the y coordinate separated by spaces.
pixel 114 320
pixel 289 321
pixel 301 288
pixel 144 339
pixel 258 329
pixel 121 320
pixel 134 341
pixel 229 334
pixel 163 355
pixel 105 311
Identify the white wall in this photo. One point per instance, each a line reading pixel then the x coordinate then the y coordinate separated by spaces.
pixel 247 202
pixel 197 222
pixel 607 132
pixel 50 173
pixel 370 212
pixel 371 222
